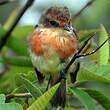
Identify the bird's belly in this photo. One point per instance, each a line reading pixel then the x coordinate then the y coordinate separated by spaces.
pixel 48 64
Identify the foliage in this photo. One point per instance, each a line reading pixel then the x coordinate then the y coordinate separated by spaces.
pixel 19 88
pixel 42 101
pixel 8 106
pixel 84 98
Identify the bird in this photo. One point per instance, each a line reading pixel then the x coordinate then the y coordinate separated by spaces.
pixel 52 44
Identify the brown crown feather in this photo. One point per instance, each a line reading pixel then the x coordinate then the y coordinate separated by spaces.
pixel 59 14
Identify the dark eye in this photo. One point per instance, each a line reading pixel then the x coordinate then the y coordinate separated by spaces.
pixel 54 23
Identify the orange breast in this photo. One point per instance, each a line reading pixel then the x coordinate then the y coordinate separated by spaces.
pixel 36 43
pixel 64 44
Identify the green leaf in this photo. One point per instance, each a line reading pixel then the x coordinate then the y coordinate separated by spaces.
pixel 69 108
pixel 101 98
pixel 17 45
pixel 9 79
pixel 85 34
pixel 19 89
pixel 10 106
pixel 103 87
pixel 104 51
pixel 43 100
pixel 86 100
pixel 29 75
pixel 31 88
pixel 2 98
pixel 16 60
pixel 86 75
pixel 22 31
pixel 102 70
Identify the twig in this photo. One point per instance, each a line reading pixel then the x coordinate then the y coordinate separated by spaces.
pixel 6 36
pixel 94 51
pixel 78 55
pixel 79 51
pixel 20 95
pixel 2 2
pixel 80 11
pixel 86 48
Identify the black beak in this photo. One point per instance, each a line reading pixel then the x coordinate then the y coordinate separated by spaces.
pixel 66 27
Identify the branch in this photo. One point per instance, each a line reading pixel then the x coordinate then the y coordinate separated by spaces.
pixel 3 2
pixel 94 51
pixel 77 53
pixel 20 95
pixel 80 11
pixel 6 36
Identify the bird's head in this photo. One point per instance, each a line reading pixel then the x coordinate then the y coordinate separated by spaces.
pixel 56 17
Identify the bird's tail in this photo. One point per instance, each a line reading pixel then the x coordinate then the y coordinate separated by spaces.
pixel 59 98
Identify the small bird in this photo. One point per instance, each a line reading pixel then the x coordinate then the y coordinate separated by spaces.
pixel 52 44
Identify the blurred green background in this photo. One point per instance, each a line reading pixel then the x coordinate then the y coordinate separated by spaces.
pixel 98 13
